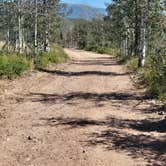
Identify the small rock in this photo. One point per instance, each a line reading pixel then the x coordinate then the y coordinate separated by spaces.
pixel 160 113
pixel 29 138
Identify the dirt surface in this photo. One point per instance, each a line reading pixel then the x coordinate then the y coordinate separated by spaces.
pixel 84 113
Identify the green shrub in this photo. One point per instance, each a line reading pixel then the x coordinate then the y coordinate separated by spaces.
pixel 41 61
pixel 56 55
pixel 102 49
pixel 132 62
pixel 3 64
pixel 91 47
pixel 111 51
pixel 11 66
pixel 153 75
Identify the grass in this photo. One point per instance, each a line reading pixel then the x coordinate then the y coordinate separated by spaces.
pixel 102 49
pixel 56 56
pixel 12 65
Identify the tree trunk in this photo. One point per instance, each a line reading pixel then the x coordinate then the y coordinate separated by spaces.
pixel 142 55
pixel 46 40
pixel 144 16
pixel 126 44
pixel 46 43
pixel 20 28
pixel 136 30
pixel 8 40
pixel 36 26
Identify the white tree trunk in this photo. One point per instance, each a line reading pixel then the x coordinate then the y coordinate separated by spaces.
pixel 143 30
pixel 36 26
pixel 8 39
pixel 20 28
pixel 126 45
pixel 143 54
pixel 46 42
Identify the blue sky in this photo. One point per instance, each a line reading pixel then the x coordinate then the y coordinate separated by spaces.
pixel 94 3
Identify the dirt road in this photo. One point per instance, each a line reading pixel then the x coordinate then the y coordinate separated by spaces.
pixel 84 113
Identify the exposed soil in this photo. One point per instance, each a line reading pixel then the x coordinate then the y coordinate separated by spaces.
pixel 84 113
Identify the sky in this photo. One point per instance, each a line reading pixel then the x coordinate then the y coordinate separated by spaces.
pixel 93 3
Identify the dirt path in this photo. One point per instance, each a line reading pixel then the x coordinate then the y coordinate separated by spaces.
pixel 85 113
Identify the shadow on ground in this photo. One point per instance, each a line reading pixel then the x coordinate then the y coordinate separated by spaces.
pixel 122 135
pixel 102 61
pixel 81 73
pixel 160 109
pixel 138 144
pixel 53 98
pixel 139 125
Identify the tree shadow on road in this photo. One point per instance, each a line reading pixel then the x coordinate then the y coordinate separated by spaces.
pixel 135 145
pixel 52 98
pixel 122 135
pixel 116 137
pixel 160 109
pixel 81 73
pixel 138 125
pixel 71 123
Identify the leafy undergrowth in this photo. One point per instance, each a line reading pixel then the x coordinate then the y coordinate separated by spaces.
pixel 56 56
pixel 102 49
pixel 153 75
pixel 12 65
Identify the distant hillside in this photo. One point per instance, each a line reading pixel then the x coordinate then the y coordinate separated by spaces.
pixel 80 11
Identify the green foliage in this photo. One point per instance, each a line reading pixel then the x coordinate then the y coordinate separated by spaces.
pixel 92 35
pixel 41 61
pixel 95 48
pixel 56 55
pixel 132 62
pixel 153 75
pixel 44 15
pixel 12 65
pixel 102 49
pixel 111 51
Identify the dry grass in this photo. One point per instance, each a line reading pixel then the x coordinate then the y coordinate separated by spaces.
pixel 1 44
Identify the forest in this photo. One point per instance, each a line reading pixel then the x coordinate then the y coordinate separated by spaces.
pixel 82 91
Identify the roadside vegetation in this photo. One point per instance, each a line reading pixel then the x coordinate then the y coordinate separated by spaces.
pixel 135 31
pixel 102 49
pixel 28 34
pixel 152 75
pixel 56 55
pixel 14 64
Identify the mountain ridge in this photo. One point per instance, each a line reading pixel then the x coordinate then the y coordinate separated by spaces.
pixel 81 11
